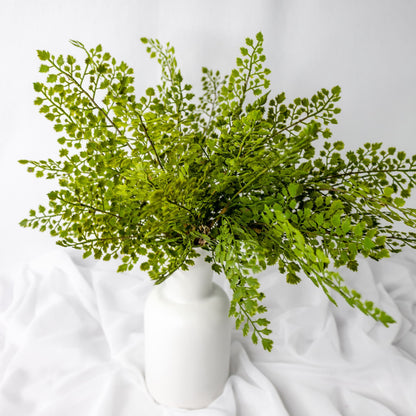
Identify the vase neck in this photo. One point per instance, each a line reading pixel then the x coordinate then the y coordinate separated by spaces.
pixel 192 284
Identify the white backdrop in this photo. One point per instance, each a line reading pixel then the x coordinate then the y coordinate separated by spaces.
pixel 367 47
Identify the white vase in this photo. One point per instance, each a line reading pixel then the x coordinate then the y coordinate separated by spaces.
pixel 187 338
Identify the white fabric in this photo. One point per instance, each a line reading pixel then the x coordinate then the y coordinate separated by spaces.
pixel 71 343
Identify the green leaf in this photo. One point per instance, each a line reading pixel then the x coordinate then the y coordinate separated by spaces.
pixel 336 220
pixel 368 243
pixel 401 156
pixel 399 202
pixel 244 51
pixel 346 225
pixel 259 37
pixel 263 322
pixel 44 68
pixel 293 189
pixel 292 279
pixel 51 78
pixel 144 266
pixel 23 223
pixel 336 90
pixel 43 55
pixel 267 344
pixel 249 42
pixel 37 86
pixel 119 111
pixel 70 60
pixel 388 190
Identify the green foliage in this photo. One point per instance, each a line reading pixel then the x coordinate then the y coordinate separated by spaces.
pixel 237 172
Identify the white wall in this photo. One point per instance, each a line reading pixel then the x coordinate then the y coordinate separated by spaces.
pixel 368 47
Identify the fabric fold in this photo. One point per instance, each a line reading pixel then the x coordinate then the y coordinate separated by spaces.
pixel 71 342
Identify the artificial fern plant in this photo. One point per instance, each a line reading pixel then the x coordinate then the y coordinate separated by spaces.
pixel 236 172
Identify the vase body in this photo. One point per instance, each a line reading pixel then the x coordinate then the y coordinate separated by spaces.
pixel 187 338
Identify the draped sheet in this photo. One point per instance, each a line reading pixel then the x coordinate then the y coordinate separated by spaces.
pixel 71 343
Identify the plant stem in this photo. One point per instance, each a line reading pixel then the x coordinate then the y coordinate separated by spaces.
pixel 151 142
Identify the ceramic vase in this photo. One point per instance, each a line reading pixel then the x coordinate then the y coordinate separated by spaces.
pixel 187 338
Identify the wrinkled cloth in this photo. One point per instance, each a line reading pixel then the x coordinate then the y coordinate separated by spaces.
pixel 71 343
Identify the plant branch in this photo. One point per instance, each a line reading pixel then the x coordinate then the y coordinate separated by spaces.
pixel 92 100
